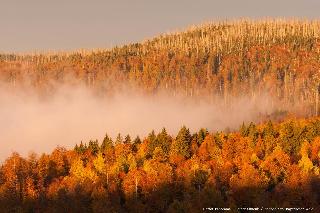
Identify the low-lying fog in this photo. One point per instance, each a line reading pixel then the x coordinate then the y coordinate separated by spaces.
pixel 28 123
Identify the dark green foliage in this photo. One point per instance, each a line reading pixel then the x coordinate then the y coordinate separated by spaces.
pixel 292 136
pixel 249 131
pixel 137 141
pixel 253 132
pixel 201 135
pixel 313 130
pixel 151 139
pixel 94 146
pixel 244 130
pixel 151 136
pixel 135 144
pixel 107 143
pixel 218 139
pixel 81 148
pixel 127 140
pixel 181 145
pixel 199 178
pixel 118 139
pixel 162 140
pixel 269 130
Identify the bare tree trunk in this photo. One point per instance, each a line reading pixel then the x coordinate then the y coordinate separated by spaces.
pixel 136 187
pixel 317 102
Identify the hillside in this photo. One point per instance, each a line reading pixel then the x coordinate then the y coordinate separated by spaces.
pixel 215 61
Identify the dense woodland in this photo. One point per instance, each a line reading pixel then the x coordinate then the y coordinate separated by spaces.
pixel 215 61
pixel 266 165
pixel 270 164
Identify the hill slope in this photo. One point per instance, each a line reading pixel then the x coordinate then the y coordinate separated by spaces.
pixel 218 61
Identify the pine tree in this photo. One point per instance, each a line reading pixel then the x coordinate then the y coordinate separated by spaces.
pixel 76 148
pixel 80 149
pixel 107 143
pixel 163 141
pixel 94 146
pixel 127 140
pixel 136 143
pixel 118 139
pixel 182 143
pixel 137 140
pixel 201 135
pixel 269 130
pixel 244 131
pixel 151 136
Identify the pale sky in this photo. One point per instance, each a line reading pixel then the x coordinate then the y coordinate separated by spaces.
pixel 43 25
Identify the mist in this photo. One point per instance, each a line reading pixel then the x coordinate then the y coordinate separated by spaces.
pixel 73 114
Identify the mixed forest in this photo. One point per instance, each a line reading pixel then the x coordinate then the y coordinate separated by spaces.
pixel 266 165
pixel 273 163
pixel 213 61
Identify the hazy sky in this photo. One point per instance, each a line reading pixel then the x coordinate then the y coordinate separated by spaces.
pixel 30 25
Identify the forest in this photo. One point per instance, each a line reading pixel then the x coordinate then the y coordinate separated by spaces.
pixel 213 61
pixel 273 161
pixel 265 165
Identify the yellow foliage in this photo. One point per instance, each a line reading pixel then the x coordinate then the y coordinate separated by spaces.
pixel 99 164
pixel 80 172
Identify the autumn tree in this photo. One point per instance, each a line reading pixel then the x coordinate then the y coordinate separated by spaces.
pixel 181 145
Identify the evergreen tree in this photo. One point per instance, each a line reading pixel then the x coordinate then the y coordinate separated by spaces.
pixel 107 143
pixel 137 140
pixel 201 135
pixel 151 145
pixel 94 146
pixel 182 143
pixel 269 130
pixel 81 148
pixel 244 131
pixel 118 139
pixel 136 143
pixel 76 148
pixel 151 136
pixel 127 140
pixel 253 133
pixel 163 141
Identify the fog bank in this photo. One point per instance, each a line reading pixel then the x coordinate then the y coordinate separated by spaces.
pixel 29 123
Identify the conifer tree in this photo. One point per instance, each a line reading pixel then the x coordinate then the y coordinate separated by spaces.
pixel 201 135
pixel 107 143
pixel 118 139
pixel 94 146
pixel 136 143
pixel 181 144
pixel 127 139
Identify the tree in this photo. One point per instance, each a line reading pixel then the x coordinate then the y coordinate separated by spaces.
pixel 209 149
pixel 181 145
pixel 81 148
pixel 162 140
pixel 94 146
pixel 248 186
pixel 80 172
pixel 118 139
pixel 305 163
pixel 107 143
pixel 275 166
pixel 136 144
pixel 15 173
pixel 99 164
pixel 159 155
pixel 127 140
pixel 291 135
pixel 201 135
